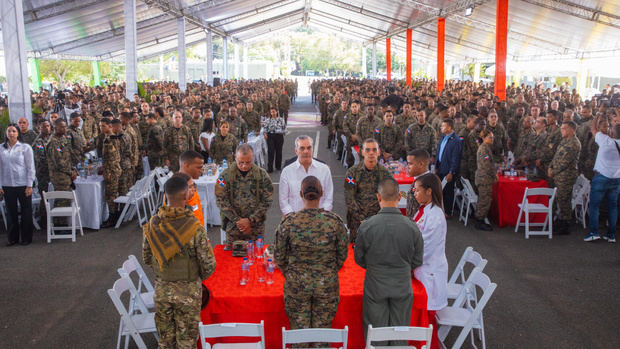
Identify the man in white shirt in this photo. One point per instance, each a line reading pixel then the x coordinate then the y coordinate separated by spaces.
pixel 293 174
pixel 606 180
pixel 418 161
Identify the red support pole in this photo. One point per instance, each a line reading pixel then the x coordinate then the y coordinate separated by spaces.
pixel 409 38
pixel 441 42
pixel 501 47
pixel 388 59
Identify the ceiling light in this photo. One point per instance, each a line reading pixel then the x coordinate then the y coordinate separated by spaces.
pixel 469 10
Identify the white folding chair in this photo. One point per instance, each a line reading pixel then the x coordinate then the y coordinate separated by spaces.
pixel 335 145
pixel 344 150
pixel 133 202
pixel 223 236
pixel 72 212
pixel 463 314
pixel 131 325
pixel 36 204
pixel 356 157
pixel 525 208
pixel 458 197
pixel 458 279
pixel 398 333
pixel 315 335
pixel 233 330
pixel 470 199
pixel 581 199
pixel 132 265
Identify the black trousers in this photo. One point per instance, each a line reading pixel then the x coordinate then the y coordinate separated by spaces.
pixel 448 193
pixel 275 141
pixel 11 196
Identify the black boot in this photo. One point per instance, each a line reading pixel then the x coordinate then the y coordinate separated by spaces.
pixel 111 220
pixel 482 225
pixel 561 228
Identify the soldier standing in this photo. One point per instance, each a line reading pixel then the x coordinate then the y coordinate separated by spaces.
pixel 238 127
pixel 27 135
pixel 176 246
pixel 58 153
pixel 338 125
pixel 111 169
pixel 177 139
pixel 251 117
pixel 485 177
pixel 40 157
pixel 360 187
pixel 390 137
pixel 349 125
pixel 125 148
pixel 311 247
pixel 195 125
pixel 499 137
pixel 421 135
pixel 243 194
pixel 78 142
pixel 284 103
pixel 367 126
pixel 154 142
pixel 223 145
pixel 563 170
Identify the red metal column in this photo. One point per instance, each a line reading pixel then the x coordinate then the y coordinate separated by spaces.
pixel 388 59
pixel 441 41
pixel 501 47
pixel 409 38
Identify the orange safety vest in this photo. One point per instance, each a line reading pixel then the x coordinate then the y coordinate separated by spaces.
pixel 194 203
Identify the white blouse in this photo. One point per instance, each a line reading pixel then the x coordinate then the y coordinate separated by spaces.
pixel 433 273
pixel 16 165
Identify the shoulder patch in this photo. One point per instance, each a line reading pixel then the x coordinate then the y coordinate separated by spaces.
pixel 350 180
pixel 221 182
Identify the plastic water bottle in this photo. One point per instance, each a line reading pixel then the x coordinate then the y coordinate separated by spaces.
pixel 224 164
pixel 260 270
pixel 258 251
pixel 250 250
pixel 210 172
pixel 527 171
pixel 245 272
pixel 209 161
pixel 269 269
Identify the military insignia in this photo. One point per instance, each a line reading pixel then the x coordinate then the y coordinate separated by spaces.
pixel 68 136
pixel 345 117
pixel 377 131
pixel 486 157
pixel 58 149
pixel 221 182
pixel 350 180
pixel 461 138
pixel 39 146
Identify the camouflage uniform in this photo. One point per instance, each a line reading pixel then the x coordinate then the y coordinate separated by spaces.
pixel 403 121
pixel 589 150
pixel 499 142
pixel 238 128
pixel 135 152
pixel 311 247
pixel 221 149
pixel 360 193
pixel 523 144
pixel 246 196
pixel 536 148
pixel 390 140
pixel 77 144
pixel 564 170
pixel 155 146
pixel 338 126
pixel 485 177
pixel 139 170
pixel 196 128
pixel 424 138
pixel 58 153
pixel 28 137
pixel 40 162
pixel 176 141
pixel 178 297
pixel 252 119
pixel 366 128
pixel 90 129
pixel 466 154
pixel 349 125
pixel 513 128
pixel 112 172
pixel 125 147
pixel 284 103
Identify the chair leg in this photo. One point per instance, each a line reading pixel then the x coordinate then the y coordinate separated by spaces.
pixel 50 225
pixel 79 219
pixel 550 226
pixel 73 228
pixel 120 218
pixel 518 220
pixel 467 213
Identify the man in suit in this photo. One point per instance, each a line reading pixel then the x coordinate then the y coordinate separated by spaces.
pixel 448 161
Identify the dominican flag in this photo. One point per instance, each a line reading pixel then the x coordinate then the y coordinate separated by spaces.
pixel 59 150
pixel 39 146
pixel 221 182
pixel 350 180
pixel 377 131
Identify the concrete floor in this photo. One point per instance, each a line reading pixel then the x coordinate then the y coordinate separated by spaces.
pixel 551 293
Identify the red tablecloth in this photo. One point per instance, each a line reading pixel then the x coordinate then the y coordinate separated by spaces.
pixel 507 194
pixel 254 302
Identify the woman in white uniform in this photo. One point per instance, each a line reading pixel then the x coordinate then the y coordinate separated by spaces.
pixel 433 273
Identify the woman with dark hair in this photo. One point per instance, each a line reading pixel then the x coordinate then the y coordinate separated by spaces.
pixel 485 177
pixel 17 175
pixel 275 127
pixel 311 247
pixel 206 135
pixel 223 145
pixel 433 273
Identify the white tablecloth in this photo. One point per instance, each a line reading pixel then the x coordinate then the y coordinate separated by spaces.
pixel 205 186
pixel 91 201
pixel 259 145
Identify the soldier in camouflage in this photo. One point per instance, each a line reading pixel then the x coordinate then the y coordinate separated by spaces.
pixel 195 125
pixel 110 169
pixel 284 103
pixel 243 194
pixel 421 135
pixel 500 139
pixel 78 142
pixel 27 136
pixel 349 125
pixel 338 119
pixel 360 187
pixel 154 142
pixel 223 145
pixel 311 247
pixel 390 137
pixel 367 126
pixel 40 156
pixel 176 246
pixel 252 118
pixel 125 148
pixel 238 127
pixel 177 139
pixel 485 177
pixel 563 170
pixel 135 147
pixel 58 153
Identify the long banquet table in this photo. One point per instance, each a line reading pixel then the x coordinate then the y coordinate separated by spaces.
pixel 254 302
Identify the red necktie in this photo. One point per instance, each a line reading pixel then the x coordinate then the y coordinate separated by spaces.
pixel 420 213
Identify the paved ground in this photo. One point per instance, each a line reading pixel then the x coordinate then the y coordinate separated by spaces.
pixel 551 293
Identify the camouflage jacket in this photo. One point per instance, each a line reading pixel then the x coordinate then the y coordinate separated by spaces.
pixel 500 141
pixel 77 144
pixel 58 153
pixel 177 140
pixel 349 125
pixel 390 139
pixel 421 138
pixel 221 149
pixel 360 189
pixel 485 173
pixel 155 140
pixel 252 119
pixel 111 157
pixel 564 163
pixel 40 156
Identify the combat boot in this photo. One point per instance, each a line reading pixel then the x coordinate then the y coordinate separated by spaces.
pixel 482 225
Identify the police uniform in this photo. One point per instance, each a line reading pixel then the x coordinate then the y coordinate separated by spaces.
pixel 243 196
pixel 311 247
pixel 186 261
pixel 485 177
pixel 360 193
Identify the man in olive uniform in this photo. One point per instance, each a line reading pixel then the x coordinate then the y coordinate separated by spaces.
pixel 58 153
pixel 154 142
pixel 390 137
pixel 406 118
pixel 338 125
pixel 243 194
pixel 284 103
pixel 125 148
pixel 133 123
pixel 367 125
pixel 177 139
pixel 111 169
pixel 251 117
pixel 238 127
pixel 388 295
pixel 470 125
pixel 349 124
pixel 360 187
pixel 90 127
pixel 40 157
pixel 563 170
pixel 523 143
pixel 535 153
pixel 195 125
pixel 135 147
pixel 27 135
pixel 421 135
pixel 176 246
pixel 78 142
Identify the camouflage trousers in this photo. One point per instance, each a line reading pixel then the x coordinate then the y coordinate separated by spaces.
pixel 340 144
pixel 564 196
pixel 155 161
pixel 485 196
pixel 177 313
pixel 174 162
pixel 233 233
pixel 126 180
pixel 111 190
pixel 315 310
pixel 61 182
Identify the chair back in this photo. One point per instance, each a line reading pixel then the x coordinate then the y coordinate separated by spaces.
pixel 121 286
pixel 468 189
pixel 232 330
pixel 548 192
pixel 58 195
pixel 132 265
pixel 477 279
pixel 399 333
pixel 313 335
pixel 469 256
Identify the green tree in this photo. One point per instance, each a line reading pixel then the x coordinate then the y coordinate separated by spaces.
pixel 63 70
